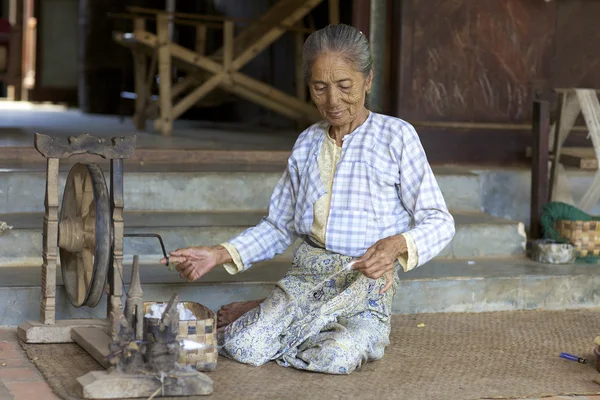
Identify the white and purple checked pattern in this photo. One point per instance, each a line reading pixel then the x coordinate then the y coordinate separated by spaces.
pixel 383 186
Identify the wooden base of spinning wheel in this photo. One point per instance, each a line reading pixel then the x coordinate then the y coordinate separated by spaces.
pixel 59 332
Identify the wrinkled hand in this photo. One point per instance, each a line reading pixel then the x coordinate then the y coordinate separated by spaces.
pixel 379 259
pixel 194 262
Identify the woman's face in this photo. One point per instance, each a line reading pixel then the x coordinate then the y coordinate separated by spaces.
pixel 337 89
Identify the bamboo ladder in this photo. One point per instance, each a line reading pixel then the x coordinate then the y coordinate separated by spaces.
pixel 219 70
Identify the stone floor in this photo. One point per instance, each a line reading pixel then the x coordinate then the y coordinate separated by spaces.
pixel 20 379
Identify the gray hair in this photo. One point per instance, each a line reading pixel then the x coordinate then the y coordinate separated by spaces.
pixel 343 39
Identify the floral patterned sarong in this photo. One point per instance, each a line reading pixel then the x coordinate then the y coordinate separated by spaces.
pixel 315 319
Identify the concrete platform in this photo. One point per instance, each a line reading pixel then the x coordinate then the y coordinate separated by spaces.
pixel 438 286
pixel 477 235
pixel 207 188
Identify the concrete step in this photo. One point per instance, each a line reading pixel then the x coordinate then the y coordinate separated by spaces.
pixel 439 286
pixel 477 235
pixel 201 188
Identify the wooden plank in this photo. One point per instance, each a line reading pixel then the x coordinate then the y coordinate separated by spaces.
pixel 58 147
pixel 95 341
pixel 60 332
pixel 164 156
pixel 579 157
pixel 120 385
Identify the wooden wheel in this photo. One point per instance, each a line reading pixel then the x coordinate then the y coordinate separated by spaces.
pixel 84 235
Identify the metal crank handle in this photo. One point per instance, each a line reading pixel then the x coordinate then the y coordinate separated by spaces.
pixel 151 235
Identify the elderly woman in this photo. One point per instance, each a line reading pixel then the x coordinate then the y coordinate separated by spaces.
pixel 357 188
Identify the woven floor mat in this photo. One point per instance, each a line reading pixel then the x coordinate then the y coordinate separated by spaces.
pixel 454 357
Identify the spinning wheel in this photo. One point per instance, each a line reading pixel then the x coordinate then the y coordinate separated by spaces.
pixel 84 234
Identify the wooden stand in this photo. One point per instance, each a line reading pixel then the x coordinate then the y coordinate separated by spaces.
pixel 220 70
pixel 47 330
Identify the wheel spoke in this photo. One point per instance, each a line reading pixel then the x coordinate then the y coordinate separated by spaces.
pixel 81 280
pixel 87 198
pixel 78 191
pixel 88 267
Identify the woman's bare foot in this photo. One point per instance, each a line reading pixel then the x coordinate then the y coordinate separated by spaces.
pixel 232 311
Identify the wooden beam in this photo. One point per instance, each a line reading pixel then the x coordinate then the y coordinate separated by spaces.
pixel 273 34
pixel 137 11
pixel 140 61
pixel 272 93
pixel 211 66
pixel 164 70
pixel 482 125
pixel 192 98
pixel 265 102
pixel 539 163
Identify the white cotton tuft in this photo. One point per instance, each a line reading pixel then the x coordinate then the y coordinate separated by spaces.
pixel 348 266
pixel 157 310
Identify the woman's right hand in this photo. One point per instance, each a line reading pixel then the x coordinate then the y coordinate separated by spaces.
pixel 194 262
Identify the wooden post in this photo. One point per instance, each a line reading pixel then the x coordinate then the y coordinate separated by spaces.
pixel 201 39
pixel 334 12
pixel 300 84
pixel 115 272
pixel 227 49
pixel 50 243
pixel 15 89
pixel 557 145
pixel 539 162
pixel 300 81
pixel 164 70
pixel 140 61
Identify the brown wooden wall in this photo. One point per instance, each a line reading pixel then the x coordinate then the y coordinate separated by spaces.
pixel 480 61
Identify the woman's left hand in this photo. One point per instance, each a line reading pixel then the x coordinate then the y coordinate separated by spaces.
pixel 380 258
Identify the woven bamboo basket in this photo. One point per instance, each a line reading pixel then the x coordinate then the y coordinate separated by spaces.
pixel 584 235
pixel 202 330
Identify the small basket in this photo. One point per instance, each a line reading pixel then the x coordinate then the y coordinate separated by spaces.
pixel 202 330
pixel 584 235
